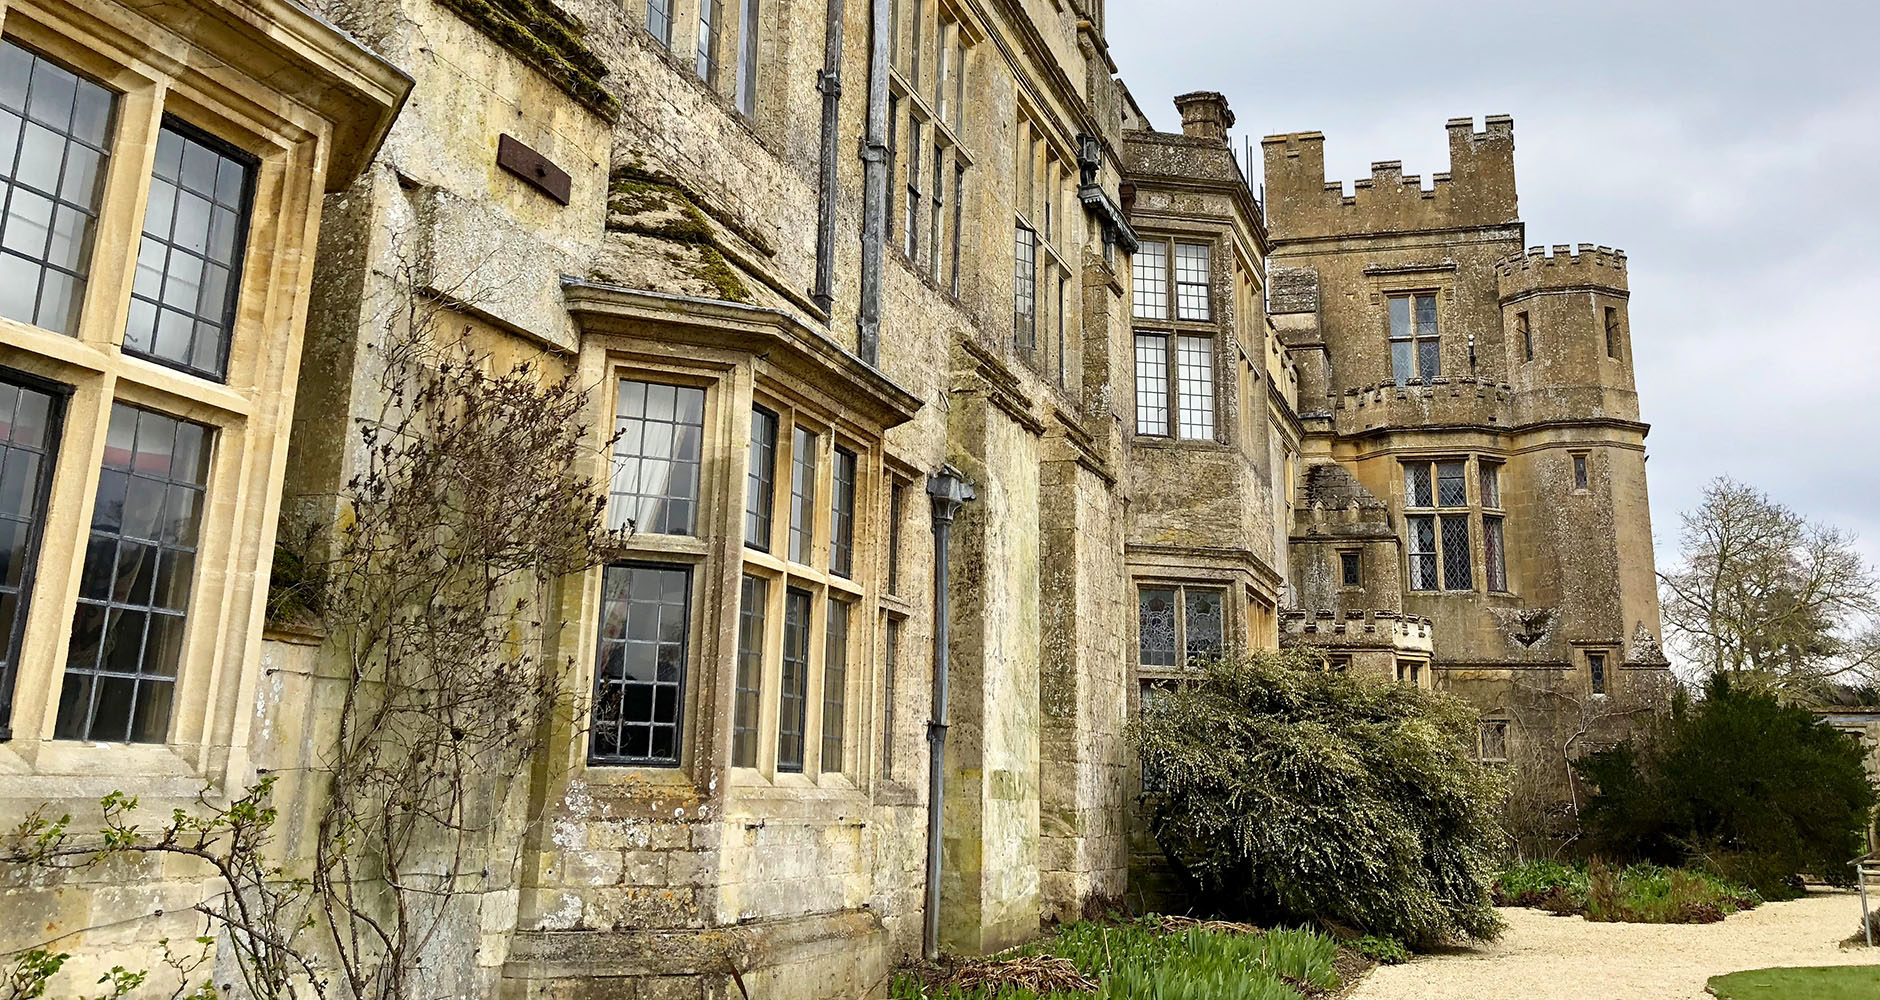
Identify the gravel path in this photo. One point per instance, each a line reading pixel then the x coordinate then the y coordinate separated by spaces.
pixel 1542 957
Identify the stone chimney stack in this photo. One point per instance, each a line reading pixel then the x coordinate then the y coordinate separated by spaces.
pixel 1205 115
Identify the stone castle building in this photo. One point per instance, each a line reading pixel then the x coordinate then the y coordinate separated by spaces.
pixel 877 295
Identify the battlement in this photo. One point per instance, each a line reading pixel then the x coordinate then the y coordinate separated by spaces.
pixel 1477 190
pixel 1561 267
pixel 1356 627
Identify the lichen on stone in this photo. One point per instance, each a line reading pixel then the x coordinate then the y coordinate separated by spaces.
pixel 544 37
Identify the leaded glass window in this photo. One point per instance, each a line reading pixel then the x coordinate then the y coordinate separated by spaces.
pixel 1155 627
pixel 29 425
pixel 659 21
pixel 1456 571
pixel 1149 268
pixel 1025 287
pixel 1422 552
pixel 1192 282
pixel 656 458
pixel 1491 484
pixel 1494 554
pixel 1415 347
pixel 639 680
pixel 1350 569
pixel 835 686
pixel 1152 383
pixel 760 479
pixel 1194 390
pixel 55 137
pixel 802 495
pixel 842 514
pixel 1579 472
pixel 1204 623
pixel 133 593
pixel 1416 485
pixel 1452 485
pixel 747 59
pixel 189 260
pixel 753 603
pixel 793 693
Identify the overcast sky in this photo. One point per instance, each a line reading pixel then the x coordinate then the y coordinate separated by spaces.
pixel 1732 149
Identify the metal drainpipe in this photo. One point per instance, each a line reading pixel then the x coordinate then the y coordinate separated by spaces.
pixel 949 492
pixel 874 180
pixel 830 83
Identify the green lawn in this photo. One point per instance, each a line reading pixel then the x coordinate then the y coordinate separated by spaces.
pixel 1848 982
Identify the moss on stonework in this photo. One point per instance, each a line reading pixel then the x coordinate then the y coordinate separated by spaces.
pixel 544 37
pixel 647 203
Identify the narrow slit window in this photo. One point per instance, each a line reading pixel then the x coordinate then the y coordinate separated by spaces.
pixel 189 261
pixel 802 495
pixel 835 687
pixel 1596 671
pixel 1612 333
pixel 29 429
pixel 1526 333
pixel 656 458
pixel 753 604
pixel 937 214
pixel 842 515
pixel 914 164
pixel 1579 472
pixel 708 21
pixel 1152 384
pixel 1494 554
pixel 1025 287
pixel 895 500
pixel 55 137
pixel 640 675
pixel 133 594
pixel 891 643
pixel 959 219
pixel 760 480
pixel 793 692
pixel 748 27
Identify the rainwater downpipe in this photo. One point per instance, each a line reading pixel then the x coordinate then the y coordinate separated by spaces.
pixel 874 180
pixel 949 492
pixel 830 83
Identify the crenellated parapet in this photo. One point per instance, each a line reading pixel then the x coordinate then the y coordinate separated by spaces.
pixel 1562 268
pixel 1357 627
pixel 1478 190
pixel 1450 400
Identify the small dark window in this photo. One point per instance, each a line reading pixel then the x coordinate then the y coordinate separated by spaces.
pixel 189 263
pixel 753 604
pixel 895 499
pixel 1350 569
pixel 1596 669
pixel 842 515
pixel 1523 327
pixel 55 133
pixel 1339 662
pixel 133 593
pixel 793 692
pixel 29 435
pixel 1579 471
pixel 1612 332
pixel 656 458
pixel 761 479
pixel 639 681
pixel 1494 740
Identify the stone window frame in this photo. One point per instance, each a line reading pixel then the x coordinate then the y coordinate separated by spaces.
pixel 816 576
pixel 927 150
pixel 1580 467
pixel 1492 723
pixel 1599 661
pixel 1524 328
pixel 1233 623
pixel 1414 669
pixel 1176 330
pixel 1044 176
pixel 703 53
pixel 1473 512
pixel 247 410
pixel 1415 337
pixel 1350 565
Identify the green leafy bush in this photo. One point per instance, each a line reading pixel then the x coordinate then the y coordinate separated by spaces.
pixel 1382 950
pixel 1737 783
pixel 1284 793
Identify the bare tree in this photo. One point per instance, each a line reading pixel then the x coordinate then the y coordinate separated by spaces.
pixel 1770 596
